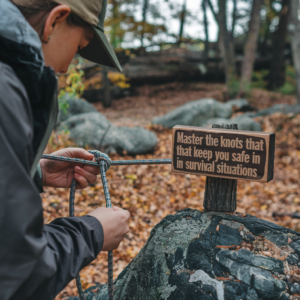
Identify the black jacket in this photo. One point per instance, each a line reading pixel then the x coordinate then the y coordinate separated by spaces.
pixel 36 261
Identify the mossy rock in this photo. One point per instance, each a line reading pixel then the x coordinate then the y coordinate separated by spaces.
pixel 212 256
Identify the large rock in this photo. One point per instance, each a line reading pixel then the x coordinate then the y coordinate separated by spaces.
pixel 212 256
pixel 280 108
pixel 244 123
pixel 94 130
pixel 75 106
pixel 197 113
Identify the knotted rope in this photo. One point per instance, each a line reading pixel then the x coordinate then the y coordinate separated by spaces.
pixel 104 162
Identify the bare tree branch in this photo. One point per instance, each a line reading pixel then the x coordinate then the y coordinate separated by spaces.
pixel 212 9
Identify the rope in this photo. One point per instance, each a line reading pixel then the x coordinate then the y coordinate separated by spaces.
pixel 104 163
pixel 113 163
pixel 71 214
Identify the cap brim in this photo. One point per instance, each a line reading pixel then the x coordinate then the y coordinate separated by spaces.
pixel 100 51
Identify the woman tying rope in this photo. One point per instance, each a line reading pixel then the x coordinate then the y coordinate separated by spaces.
pixel 39 38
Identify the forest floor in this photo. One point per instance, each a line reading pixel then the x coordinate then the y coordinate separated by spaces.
pixel 152 192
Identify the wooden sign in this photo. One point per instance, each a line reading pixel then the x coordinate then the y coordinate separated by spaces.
pixel 223 153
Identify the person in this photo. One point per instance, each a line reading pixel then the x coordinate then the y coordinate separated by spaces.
pixel 39 38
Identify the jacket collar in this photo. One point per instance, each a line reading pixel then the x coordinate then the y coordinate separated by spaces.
pixel 21 48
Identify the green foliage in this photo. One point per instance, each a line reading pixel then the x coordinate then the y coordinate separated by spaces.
pixel 74 88
pixel 233 87
pixel 121 20
pixel 259 79
pixel 290 85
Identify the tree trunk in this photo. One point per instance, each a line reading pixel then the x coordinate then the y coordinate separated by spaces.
pixel 227 48
pixel 145 8
pixel 106 89
pixel 294 30
pixel 182 20
pixel 234 17
pixel 226 43
pixel 220 193
pixel 205 23
pixel 277 70
pixel 250 47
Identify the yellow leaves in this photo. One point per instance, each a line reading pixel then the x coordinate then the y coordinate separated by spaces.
pixel 171 180
pixel 132 251
pixel 264 207
pixel 118 79
pixel 126 200
pixel 296 200
pixel 131 176
pixel 152 192
pixel 73 83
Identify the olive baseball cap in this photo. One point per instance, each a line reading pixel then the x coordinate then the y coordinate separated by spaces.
pixel 99 49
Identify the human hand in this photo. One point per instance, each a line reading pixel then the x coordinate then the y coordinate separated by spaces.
pixel 114 222
pixel 60 174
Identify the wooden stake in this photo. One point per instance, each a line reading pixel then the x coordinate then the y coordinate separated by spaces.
pixel 220 193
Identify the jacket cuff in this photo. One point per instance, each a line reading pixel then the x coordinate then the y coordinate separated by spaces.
pixel 98 232
pixel 38 179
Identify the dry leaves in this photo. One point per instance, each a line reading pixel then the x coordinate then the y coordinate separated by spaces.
pixel 151 192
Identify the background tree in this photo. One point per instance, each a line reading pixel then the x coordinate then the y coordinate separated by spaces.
pixel 205 25
pixel 277 69
pixel 182 20
pixel 145 5
pixel 294 30
pixel 120 19
pixel 250 46
pixel 269 15
pixel 226 41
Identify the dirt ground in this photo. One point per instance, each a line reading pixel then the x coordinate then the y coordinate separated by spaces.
pixel 152 192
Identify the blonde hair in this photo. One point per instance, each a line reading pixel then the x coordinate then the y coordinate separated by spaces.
pixel 33 8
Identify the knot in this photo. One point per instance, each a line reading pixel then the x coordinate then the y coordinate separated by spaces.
pixel 99 156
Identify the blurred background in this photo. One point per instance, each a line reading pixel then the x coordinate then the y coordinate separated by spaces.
pixel 187 62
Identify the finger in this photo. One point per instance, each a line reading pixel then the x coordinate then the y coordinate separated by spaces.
pixel 116 208
pixel 128 214
pixel 80 153
pixel 90 177
pixel 93 170
pixel 125 214
pixel 81 181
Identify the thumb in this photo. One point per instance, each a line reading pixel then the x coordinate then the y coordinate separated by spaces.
pixel 116 208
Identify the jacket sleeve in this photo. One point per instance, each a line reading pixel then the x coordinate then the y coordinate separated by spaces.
pixel 38 179
pixel 36 261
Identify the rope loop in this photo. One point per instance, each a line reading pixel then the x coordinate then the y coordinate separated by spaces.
pixel 101 156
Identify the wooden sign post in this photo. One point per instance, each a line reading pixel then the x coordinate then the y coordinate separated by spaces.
pixel 224 155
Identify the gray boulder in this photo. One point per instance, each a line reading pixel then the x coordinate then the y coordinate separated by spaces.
pixel 244 123
pixel 94 130
pixel 75 106
pixel 212 256
pixel 280 108
pixel 197 113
